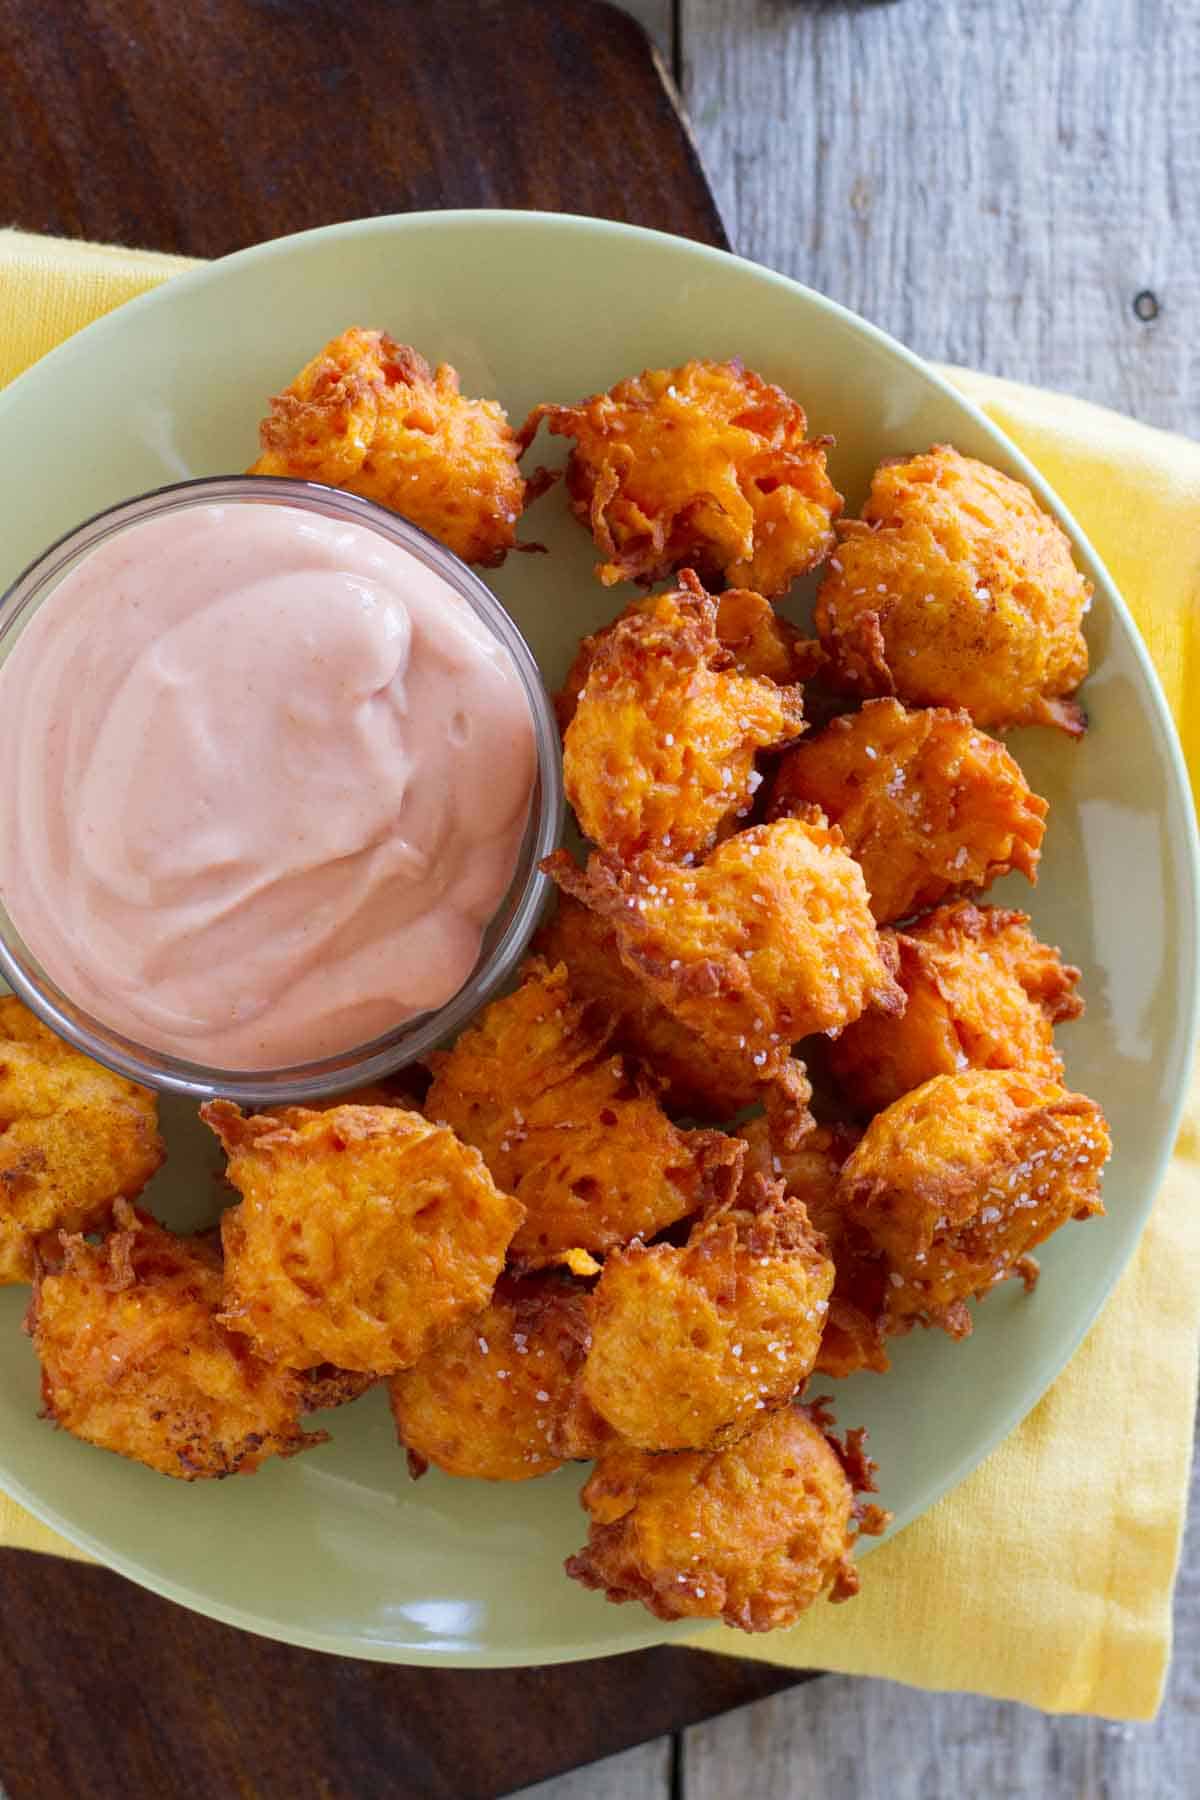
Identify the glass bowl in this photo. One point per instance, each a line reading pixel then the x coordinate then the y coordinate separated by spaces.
pixel 511 927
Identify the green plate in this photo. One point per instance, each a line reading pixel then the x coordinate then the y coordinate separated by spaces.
pixel 338 1549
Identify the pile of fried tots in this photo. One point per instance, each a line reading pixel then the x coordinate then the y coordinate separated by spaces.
pixel 612 1222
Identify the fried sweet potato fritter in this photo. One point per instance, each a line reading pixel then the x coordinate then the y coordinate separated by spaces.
pixel 959 1180
pixel 956 589
pixel 690 1345
pixel 759 641
pixel 135 1359
pixel 702 1079
pixel 769 939
pixel 752 1534
pixel 497 1398
pixel 73 1137
pixel 571 1127
pixel 370 415
pixel 363 1233
pixel 706 466
pixel 927 804
pixel 854 1336
pixel 660 752
pixel 982 992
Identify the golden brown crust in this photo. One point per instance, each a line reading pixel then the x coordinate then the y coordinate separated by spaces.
pixel 570 1126
pixel 702 1079
pixel 928 805
pixel 982 993
pixel 691 1345
pixel 854 1337
pixel 955 1184
pixel 706 465
pixel 370 415
pixel 769 939
pixel 760 642
pixel 956 589
pixel 73 1138
pixel 497 1398
pixel 363 1233
pixel 135 1359
pixel 752 1534
pixel 660 752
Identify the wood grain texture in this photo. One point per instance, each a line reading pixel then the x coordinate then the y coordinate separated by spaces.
pixel 210 126
pixel 109 1693
pixel 875 1740
pixel 642 1774
pixel 994 181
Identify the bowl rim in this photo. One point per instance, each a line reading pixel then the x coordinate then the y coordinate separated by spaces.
pixel 91 339
pixel 516 916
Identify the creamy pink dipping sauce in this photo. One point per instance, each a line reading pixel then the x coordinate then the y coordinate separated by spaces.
pixel 265 782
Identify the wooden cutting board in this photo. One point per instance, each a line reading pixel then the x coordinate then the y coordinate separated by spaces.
pixel 201 128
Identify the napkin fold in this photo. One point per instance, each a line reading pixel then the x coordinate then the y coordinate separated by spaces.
pixel 1046 1576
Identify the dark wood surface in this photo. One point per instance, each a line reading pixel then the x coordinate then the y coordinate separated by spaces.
pixel 200 128
pixel 206 126
pixel 107 1691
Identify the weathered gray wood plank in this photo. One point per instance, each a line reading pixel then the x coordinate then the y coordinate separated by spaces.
pixel 994 181
pixel 642 1774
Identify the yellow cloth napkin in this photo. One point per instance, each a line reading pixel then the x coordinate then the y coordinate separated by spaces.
pixel 1046 1576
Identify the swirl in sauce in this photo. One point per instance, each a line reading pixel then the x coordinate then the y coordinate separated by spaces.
pixel 266 781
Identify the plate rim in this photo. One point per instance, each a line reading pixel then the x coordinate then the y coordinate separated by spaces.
pixel 90 338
